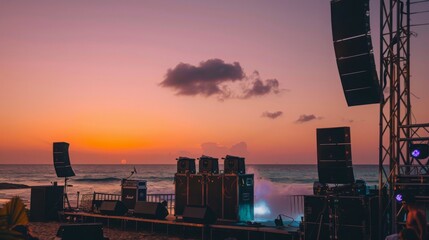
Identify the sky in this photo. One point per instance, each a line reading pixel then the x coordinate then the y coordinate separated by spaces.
pixel 121 81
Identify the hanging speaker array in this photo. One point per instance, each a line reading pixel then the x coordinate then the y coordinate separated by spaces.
pixel 354 51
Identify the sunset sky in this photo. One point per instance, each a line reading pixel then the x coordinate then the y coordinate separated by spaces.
pixel 118 80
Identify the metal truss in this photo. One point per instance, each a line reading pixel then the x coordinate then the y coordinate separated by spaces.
pixel 396 130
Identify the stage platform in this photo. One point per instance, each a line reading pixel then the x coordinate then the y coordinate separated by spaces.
pixel 177 227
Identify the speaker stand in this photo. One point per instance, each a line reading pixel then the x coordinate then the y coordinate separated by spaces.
pixel 66 198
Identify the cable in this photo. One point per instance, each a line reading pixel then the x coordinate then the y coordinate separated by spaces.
pixel 421 1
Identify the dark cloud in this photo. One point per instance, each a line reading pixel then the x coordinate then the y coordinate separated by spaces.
pixel 239 149
pixel 203 79
pixel 307 118
pixel 214 77
pixel 272 115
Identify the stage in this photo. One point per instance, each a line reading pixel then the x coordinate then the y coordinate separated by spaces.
pixel 177 227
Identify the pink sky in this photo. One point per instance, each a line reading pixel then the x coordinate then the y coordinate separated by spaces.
pixel 89 73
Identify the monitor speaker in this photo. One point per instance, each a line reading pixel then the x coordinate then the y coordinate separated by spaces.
pixel 62 160
pixel 185 165
pixel 198 214
pixel 81 231
pixel 233 164
pixel 150 210
pixel 113 208
pixel 354 51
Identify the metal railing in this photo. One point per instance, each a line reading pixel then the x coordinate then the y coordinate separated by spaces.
pixel 293 204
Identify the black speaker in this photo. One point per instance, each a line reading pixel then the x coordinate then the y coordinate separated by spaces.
pixel 82 231
pixel 113 208
pixel 133 191
pixel 334 156
pixel 233 164
pixel 196 193
pixel 238 197
pixel 354 51
pixel 208 165
pixel 45 203
pixel 185 165
pixel 333 135
pixel 214 193
pixel 62 160
pixel 198 214
pixel 150 210
pixel 181 193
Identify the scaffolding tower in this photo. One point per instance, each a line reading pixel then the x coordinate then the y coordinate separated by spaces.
pixel 396 129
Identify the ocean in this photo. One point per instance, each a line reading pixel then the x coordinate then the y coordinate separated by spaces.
pixel 272 182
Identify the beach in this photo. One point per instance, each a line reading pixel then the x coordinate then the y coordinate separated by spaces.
pixel 48 230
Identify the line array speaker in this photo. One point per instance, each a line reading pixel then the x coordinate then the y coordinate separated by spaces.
pixel 354 51
pixel 62 160
pixel 334 155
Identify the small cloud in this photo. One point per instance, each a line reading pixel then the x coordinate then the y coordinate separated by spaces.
pixel 214 77
pixel 272 115
pixel 307 118
pixel 239 149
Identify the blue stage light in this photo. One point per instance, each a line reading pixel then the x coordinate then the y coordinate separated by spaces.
pixel 419 151
pixel 399 197
pixel 415 153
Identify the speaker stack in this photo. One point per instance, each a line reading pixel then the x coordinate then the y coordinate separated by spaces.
pixel 133 191
pixel 228 195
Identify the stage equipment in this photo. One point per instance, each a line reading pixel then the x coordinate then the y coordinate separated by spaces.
pixel 341 217
pixel 81 231
pixel 334 158
pixel 150 210
pixel 133 191
pixel 45 203
pixel 185 165
pixel 113 208
pixel 238 198
pixel 196 193
pixel 61 160
pixel 214 193
pixel 419 151
pixel 208 165
pixel 353 51
pixel 199 214
pixel 233 164
pixel 279 222
pixel 181 189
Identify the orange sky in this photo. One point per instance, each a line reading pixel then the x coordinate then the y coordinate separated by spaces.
pixel 90 73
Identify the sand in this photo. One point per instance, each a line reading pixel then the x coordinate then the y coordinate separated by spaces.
pixel 47 231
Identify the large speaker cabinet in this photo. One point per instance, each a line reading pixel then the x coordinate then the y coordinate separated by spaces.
pixel 230 196
pixel 341 217
pixel 181 193
pixel 238 197
pixel 133 191
pixel 196 193
pixel 45 203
